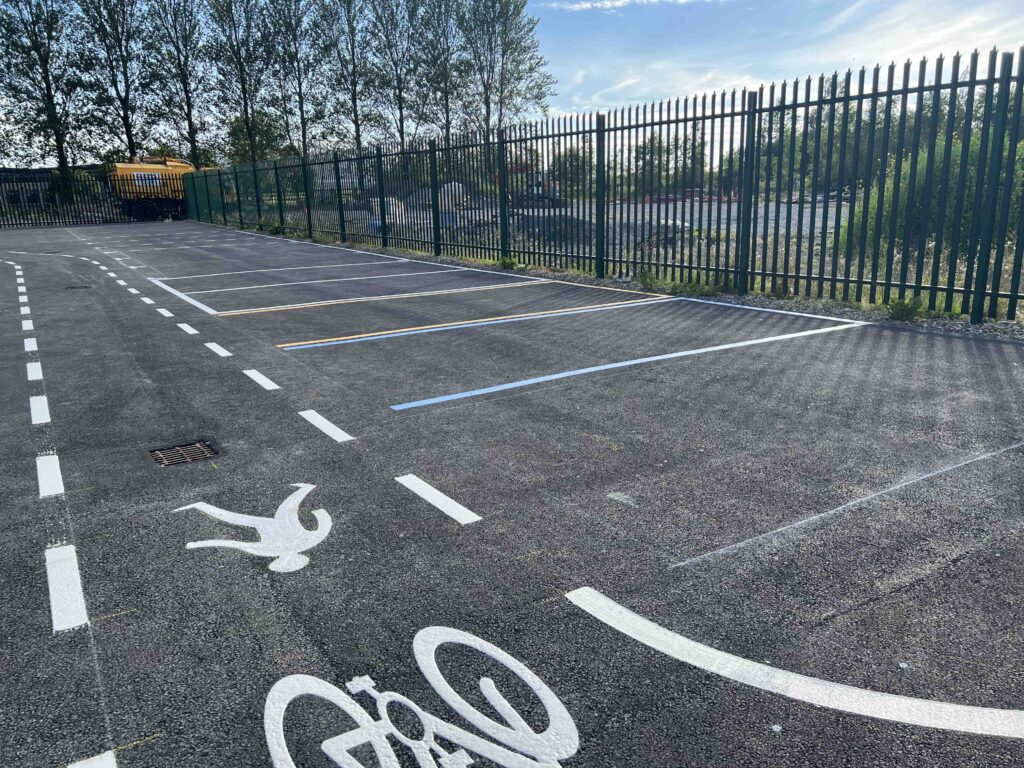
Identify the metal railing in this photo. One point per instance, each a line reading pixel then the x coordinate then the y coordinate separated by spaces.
pixel 890 188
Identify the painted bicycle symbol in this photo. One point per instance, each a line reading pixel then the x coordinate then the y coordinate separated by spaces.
pixel 511 744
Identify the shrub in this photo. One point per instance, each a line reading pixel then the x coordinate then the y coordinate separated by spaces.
pixel 906 310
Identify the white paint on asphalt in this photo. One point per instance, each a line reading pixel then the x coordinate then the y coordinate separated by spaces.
pixel 217 349
pixel 106 760
pixel 822 693
pixel 183 297
pixel 23 299
pixel 188 329
pixel 164 312
pixel 39 407
pixel 19 280
pixel 48 474
pixel 280 269
pixel 26 311
pixel 147 300
pixel 27 325
pixel 111 274
pixel 34 371
pixel 31 345
pixel 133 291
pixel 433 496
pixel 121 283
pixel 67 603
pixel 325 280
pixel 282 537
pixel 260 379
pixel 22 289
pixel 335 433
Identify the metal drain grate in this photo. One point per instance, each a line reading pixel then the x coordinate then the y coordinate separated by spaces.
pixel 183 454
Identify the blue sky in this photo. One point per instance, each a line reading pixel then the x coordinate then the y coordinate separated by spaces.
pixel 609 53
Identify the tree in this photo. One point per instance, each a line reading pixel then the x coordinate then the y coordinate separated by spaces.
pixel 179 71
pixel 41 88
pixel 346 22
pixel 263 136
pixel 116 71
pixel 394 34
pixel 443 66
pixel 507 73
pixel 298 53
pixel 241 56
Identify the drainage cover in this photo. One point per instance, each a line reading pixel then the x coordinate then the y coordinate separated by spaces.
pixel 182 454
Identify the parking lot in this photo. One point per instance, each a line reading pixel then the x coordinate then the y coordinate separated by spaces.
pixel 448 516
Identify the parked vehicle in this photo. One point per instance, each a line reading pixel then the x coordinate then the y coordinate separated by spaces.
pixel 151 188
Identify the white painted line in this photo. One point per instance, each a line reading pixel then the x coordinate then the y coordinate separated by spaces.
pixel 183 297
pixel 23 299
pixel 134 267
pixel 51 482
pixel 39 407
pixel 337 434
pixel 430 494
pixel 27 325
pixel 111 274
pixel 26 311
pixel 260 379
pixel 822 693
pixel 106 760
pixel 164 312
pixel 31 345
pixel 96 263
pixel 281 269
pixel 22 289
pixel 188 329
pixel 19 280
pixel 133 291
pixel 34 371
pixel 67 603
pixel 121 282
pixel 326 280
pixel 147 300
pixel 217 349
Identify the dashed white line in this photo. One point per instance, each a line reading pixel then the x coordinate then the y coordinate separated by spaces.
pixel 20 280
pixel 260 379
pixel 164 312
pixel 325 426
pixel 23 299
pixel 31 345
pixel 34 371
pixel 27 325
pixel 147 300
pixel 26 311
pixel 51 481
pixel 111 274
pixel 217 349
pixel 187 328
pixel 133 291
pixel 67 602
pixel 433 496
pixel 39 407
pixel 22 289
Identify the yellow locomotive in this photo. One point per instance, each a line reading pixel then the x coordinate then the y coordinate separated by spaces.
pixel 151 188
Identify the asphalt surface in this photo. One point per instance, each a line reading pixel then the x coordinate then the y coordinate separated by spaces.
pixel 835 505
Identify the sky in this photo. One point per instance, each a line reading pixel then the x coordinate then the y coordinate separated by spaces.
pixel 612 53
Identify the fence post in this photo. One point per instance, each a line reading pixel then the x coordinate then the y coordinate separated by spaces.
pixel 280 199
pixel 503 197
pixel 309 203
pixel 223 205
pixel 435 199
pixel 190 199
pixel 747 195
pixel 382 201
pixel 599 200
pixel 238 197
pixel 995 161
pixel 342 236
pixel 259 198
pixel 206 186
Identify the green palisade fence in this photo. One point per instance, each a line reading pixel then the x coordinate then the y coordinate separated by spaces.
pixel 898 183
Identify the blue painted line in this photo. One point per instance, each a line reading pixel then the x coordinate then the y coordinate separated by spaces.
pixel 613 366
pixel 480 324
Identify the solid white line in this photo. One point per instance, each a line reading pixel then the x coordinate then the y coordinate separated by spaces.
pixel 217 349
pixel 67 603
pixel 430 494
pixel 822 693
pixel 280 269
pixel 27 325
pixel 183 297
pixel 133 291
pixel 31 345
pixel 326 280
pixel 188 329
pixel 147 300
pixel 51 481
pixel 260 379
pixel 34 371
pixel 106 760
pixel 39 407
pixel 329 429
pixel 164 312
pixel 729 549
pixel 121 282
